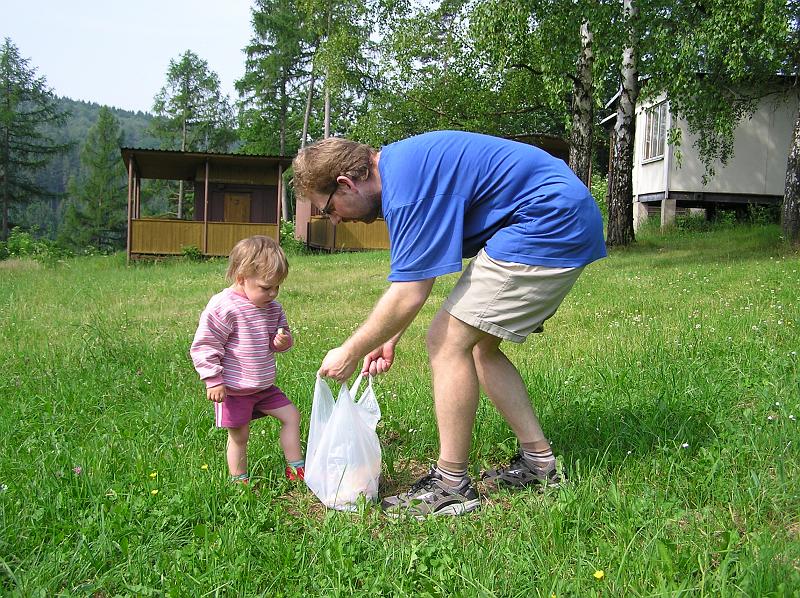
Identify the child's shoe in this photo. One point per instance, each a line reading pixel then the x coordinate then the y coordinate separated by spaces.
pixel 295 473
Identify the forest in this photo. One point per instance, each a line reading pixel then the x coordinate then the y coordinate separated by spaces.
pixel 381 70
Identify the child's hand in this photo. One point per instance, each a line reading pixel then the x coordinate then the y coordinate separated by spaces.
pixel 216 393
pixel 282 340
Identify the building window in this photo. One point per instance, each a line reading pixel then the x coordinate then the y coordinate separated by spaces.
pixel 655 131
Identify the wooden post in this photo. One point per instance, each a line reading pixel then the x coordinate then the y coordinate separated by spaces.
pixel 279 202
pixel 137 196
pixel 205 210
pixel 130 200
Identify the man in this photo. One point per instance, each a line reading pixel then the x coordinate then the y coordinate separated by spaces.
pixel 531 226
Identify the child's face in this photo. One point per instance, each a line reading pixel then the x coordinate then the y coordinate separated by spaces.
pixel 258 290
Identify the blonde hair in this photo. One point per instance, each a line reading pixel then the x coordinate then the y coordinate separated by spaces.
pixel 316 166
pixel 257 256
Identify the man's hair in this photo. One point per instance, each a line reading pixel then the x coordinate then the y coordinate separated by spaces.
pixel 317 165
pixel 257 257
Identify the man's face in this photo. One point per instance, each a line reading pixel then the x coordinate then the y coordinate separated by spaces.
pixel 351 203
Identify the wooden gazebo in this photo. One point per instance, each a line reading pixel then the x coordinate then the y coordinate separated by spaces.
pixel 235 196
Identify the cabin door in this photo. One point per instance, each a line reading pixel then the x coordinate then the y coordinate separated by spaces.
pixel 237 207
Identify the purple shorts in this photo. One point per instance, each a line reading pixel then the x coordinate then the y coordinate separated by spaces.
pixel 236 411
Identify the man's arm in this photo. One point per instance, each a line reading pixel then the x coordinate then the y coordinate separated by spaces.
pixel 391 316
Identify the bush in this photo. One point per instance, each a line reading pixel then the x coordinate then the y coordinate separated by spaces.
pixel 191 253
pixel 289 244
pixel 22 244
pixel 599 189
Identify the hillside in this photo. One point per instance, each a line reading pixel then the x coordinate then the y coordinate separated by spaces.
pixel 82 116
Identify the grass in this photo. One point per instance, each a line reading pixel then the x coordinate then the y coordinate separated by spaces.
pixel 668 383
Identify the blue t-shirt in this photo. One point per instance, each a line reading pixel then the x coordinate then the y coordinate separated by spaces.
pixel 447 194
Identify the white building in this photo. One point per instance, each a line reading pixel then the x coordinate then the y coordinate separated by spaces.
pixel 666 178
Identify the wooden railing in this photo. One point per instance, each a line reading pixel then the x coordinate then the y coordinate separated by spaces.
pixel 347 236
pixel 156 236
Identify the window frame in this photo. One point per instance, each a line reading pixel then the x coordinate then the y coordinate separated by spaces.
pixel 655 137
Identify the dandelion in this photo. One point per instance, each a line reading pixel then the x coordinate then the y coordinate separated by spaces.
pixel 599 574
pixel 204 467
pixel 78 470
pixel 3 487
pixel 154 491
pixel 154 475
pixel 770 418
pixel 685 445
pixel 777 403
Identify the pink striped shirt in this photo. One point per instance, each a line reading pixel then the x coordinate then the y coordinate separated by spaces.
pixel 233 344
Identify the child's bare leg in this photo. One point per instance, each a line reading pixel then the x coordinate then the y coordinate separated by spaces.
pixel 289 417
pixel 237 449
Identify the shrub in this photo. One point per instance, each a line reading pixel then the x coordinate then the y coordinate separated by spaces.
pixel 191 253
pixel 289 244
pixel 22 244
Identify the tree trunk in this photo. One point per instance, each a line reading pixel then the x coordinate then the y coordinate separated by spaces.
pixel 284 113
pixel 790 211
pixel 307 115
pixel 620 179
pixel 180 183
pixel 327 110
pixel 5 181
pixel 580 141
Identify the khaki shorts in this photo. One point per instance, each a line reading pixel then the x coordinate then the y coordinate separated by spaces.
pixel 506 299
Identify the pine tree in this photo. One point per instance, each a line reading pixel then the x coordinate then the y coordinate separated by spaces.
pixel 96 213
pixel 27 105
pixel 191 114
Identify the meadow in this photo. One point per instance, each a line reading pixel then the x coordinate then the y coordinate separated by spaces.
pixel 668 384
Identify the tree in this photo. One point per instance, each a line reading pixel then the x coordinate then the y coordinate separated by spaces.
pixel 620 178
pixel 26 106
pixel 96 214
pixel 277 68
pixel 191 114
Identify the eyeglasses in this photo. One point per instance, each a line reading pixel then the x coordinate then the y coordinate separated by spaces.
pixel 326 211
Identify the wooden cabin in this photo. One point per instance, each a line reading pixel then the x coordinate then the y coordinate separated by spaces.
pixel 317 231
pixel 235 196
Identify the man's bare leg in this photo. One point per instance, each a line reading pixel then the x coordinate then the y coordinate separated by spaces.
pixel 502 383
pixel 455 384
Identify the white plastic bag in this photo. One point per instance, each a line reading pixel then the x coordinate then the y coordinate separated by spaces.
pixel 343 457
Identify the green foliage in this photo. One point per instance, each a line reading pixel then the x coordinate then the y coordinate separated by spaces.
pixel 26 105
pixel 289 244
pixel 599 189
pixel 23 244
pixel 96 214
pixel 191 253
pixel 191 114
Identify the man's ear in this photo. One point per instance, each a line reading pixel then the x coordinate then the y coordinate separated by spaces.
pixel 346 181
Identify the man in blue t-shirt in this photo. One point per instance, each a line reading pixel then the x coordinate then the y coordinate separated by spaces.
pixel 531 227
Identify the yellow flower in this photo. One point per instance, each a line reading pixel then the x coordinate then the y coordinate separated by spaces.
pixel 204 466
pixel 154 491
pixel 154 475
pixel 599 574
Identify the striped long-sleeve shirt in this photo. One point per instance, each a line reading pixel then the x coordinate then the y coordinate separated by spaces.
pixel 233 344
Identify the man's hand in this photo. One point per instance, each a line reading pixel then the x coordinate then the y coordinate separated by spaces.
pixel 338 364
pixel 216 393
pixel 282 340
pixel 380 360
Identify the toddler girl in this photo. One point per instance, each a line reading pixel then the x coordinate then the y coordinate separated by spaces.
pixel 234 349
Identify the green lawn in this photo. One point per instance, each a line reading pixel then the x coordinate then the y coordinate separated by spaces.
pixel 668 384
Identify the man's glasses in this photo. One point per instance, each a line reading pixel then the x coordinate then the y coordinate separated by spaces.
pixel 326 211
